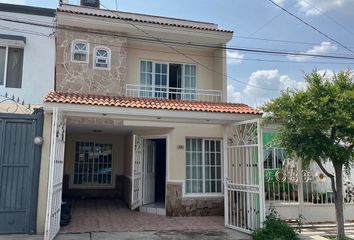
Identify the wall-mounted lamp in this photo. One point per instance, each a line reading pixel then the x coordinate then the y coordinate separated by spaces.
pixel 38 140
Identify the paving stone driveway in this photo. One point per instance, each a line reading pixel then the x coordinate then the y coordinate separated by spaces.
pixel 114 216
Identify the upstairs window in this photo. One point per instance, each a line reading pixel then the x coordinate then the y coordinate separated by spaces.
pixel 102 58
pixel 11 64
pixel 79 51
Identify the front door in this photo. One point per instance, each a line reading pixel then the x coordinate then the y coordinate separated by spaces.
pixel 55 178
pixel 149 172
pixel 244 194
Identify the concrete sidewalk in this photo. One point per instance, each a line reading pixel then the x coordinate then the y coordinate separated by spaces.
pixel 317 231
pixel 145 235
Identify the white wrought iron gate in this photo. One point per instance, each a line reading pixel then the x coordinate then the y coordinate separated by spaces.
pixel 137 172
pixel 55 181
pixel 244 194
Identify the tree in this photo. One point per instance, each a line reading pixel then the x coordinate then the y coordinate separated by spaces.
pixel 318 124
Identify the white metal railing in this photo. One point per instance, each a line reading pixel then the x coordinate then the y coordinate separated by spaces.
pixel 287 183
pixel 164 92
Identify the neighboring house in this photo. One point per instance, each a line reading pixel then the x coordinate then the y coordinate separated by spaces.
pixel 296 190
pixel 27 63
pixel 145 121
pixel 27 52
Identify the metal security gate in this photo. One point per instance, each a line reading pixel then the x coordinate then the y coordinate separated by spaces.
pixel 19 171
pixel 244 195
pixel 137 172
pixel 55 180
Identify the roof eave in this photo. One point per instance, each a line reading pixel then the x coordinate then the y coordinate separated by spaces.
pixel 127 113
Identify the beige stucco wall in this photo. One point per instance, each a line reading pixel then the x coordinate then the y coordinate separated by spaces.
pixel 177 134
pixel 83 77
pixel 205 60
pixel 44 171
pixel 118 147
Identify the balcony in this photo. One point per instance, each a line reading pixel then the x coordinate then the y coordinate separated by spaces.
pixel 163 92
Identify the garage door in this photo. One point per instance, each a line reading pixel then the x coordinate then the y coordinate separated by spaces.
pixel 19 171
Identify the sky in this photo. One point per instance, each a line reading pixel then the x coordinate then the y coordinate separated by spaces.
pixel 256 78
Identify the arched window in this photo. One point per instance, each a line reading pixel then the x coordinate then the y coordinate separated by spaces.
pixel 102 58
pixel 79 51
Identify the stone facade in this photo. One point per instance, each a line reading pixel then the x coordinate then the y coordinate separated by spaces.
pixel 76 77
pixel 176 205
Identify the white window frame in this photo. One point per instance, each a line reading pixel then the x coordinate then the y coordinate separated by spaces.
pixel 6 62
pixel 274 160
pixel 92 186
pixel 73 50
pixel 168 73
pixel 95 57
pixel 205 194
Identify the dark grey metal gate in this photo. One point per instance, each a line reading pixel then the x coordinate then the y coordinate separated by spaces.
pixel 19 171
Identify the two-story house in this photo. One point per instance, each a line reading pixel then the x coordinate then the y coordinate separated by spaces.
pixel 27 67
pixel 139 114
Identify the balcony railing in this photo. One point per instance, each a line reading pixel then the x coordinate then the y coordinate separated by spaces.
pixel 162 92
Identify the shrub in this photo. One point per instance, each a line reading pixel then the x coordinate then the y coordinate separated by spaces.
pixel 275 228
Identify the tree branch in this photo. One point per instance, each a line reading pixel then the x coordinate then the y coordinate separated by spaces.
pixel 331 176
pixel 333 133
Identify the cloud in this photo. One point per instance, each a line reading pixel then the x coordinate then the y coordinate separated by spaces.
pixel 233 95
pixel 234 57
pixel 318 7
pixel 279 2
pixel 257 91
pixel 323 48
pixel 21 2
pixel 327 73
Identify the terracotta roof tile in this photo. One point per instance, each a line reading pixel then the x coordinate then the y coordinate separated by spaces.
pixel 149 103
pixel 87 13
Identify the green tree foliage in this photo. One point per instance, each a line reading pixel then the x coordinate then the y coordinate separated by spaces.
pixel 318 124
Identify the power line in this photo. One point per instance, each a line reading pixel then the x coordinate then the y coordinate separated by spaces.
pixel 269 21
pixel 189 44
pixel 199 55
pixel 330 18
pixel 311 26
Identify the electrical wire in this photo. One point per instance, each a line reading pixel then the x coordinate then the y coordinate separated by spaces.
pixel 189 44
pixel 311 26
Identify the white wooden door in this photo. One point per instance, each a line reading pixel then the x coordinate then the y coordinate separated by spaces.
pixel 55 178
pixel 149 172
pixel 137 172
pixel 244 182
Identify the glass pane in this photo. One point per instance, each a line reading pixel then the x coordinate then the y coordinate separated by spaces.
pixel 2 64
pixel 142 66
pixel 158 68
pixel 157 79
pixel 187 70
pixel 164 68
pixel 188 141
pixel 149 79
pixel 193 70
pixel 218 146
pixel 149 67
pixel 14 68
pixel 189 186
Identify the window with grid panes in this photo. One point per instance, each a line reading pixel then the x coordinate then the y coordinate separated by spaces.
pixel 93 164
pixel 274 157
pixel 203 166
